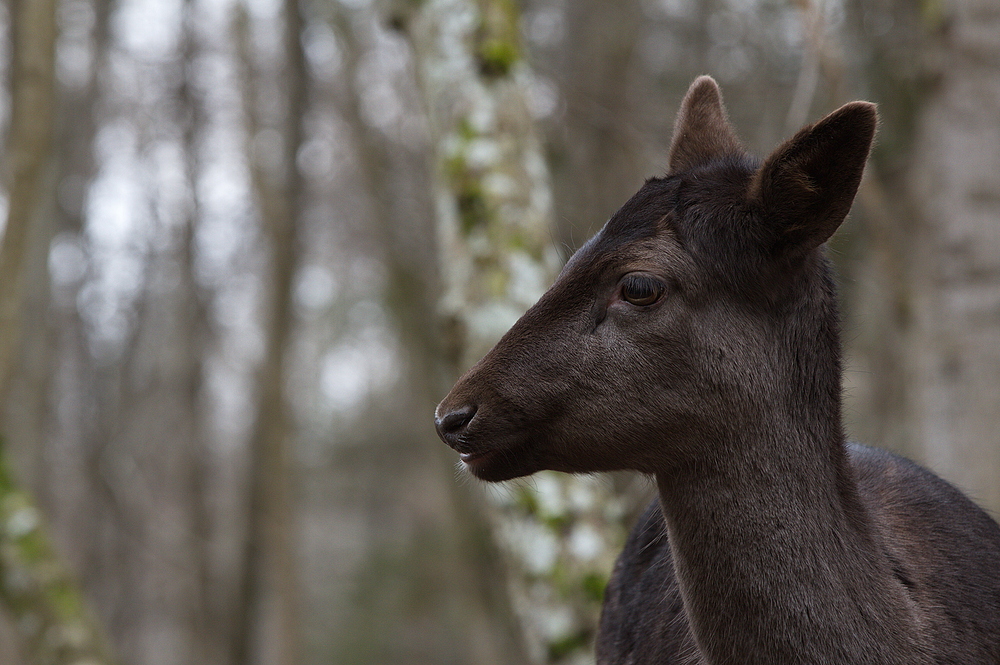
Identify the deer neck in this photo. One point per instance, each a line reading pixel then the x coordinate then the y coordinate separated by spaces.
pixel 777 559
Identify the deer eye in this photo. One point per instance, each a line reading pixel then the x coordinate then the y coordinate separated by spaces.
pixel 641 290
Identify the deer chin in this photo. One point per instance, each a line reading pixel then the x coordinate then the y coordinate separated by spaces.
pixel 502 461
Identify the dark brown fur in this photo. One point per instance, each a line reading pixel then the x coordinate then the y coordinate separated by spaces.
pixel 773 540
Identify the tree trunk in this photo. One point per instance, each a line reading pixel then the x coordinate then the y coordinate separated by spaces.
pixel 603 156
pixel 933 271
pixel 30 187
pixel 205 627
pixel 955 337
pixel 493 204
pixel 269 576
pixel 42 597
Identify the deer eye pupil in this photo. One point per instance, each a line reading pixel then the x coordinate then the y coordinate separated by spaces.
pixel 641 290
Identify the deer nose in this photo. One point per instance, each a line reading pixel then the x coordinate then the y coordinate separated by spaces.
pixel 451 424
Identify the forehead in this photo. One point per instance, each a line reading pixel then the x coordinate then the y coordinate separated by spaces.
pixel 696 212
pixel 641 227
pixel 709 191
pixel 642 216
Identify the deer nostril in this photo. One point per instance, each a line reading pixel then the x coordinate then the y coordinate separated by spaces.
pixel 453 422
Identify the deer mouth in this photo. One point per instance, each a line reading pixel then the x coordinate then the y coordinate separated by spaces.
pixel 469 458
pixel 478 463
pixel 500 462
pixel 487 464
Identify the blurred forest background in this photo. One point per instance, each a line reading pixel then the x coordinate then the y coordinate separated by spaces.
pixel 250 243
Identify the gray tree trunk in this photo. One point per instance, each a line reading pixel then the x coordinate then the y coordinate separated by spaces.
pixel 955 339
pixel 30 160
pixel 493 204
pixel 929 349
pixel 268 622
pixel 39 593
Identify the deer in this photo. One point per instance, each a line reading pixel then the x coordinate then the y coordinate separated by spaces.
pixel 696 339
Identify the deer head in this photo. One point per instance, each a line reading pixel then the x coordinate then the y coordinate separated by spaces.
pixel 703 307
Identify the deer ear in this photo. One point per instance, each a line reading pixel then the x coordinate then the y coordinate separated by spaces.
pixel 702 132
pixel 807 185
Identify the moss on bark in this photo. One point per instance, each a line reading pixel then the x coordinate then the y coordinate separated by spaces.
pixel 40 594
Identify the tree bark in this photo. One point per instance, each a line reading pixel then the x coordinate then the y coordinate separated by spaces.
pixel 933 272
pixel 493 198
pixel 270 554
pixel 30 187
pixel 493 206
pixel 42 596
pixel 955 336
pixel 604 155
pixel 205 626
